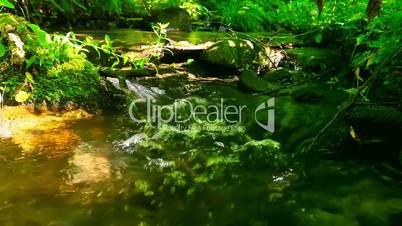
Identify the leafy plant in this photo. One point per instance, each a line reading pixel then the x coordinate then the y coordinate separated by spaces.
pixel 7 4
pixel 160 30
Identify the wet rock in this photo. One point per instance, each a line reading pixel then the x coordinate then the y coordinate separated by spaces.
pixel 282 75
pixel 129 144
pixel 308 94
pixel 250 80
pixel 143 92
pixel 17 49
pixel 183 50
pixel 238 54
pixel 88 167
pixel 178 19
pixel 127 73
pixel 314 59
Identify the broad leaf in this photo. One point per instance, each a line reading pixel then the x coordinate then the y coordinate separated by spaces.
pixel 3 50
pixel 6 4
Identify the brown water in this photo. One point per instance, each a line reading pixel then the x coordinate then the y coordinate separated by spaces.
pixel 80 178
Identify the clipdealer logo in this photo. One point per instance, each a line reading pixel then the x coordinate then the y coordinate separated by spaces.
pixel 158 115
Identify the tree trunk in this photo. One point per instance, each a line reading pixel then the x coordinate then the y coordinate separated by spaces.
pixel 373 9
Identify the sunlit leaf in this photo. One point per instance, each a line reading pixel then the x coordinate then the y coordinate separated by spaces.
pixel 21 96
pixel 3 50
pixel 29 77
pixel 353 134
pixel 6 4
pixel 318 38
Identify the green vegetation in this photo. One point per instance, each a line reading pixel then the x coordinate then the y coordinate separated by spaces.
pixel 205 154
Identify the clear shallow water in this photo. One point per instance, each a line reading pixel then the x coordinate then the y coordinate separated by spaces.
pixel 89 181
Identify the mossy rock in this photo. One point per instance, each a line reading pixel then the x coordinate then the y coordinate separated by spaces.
pixel 282 75
pixel 76 80
pixel 250 80
pixel 177 18
pixel 237 54
pixel 10 23
pixel 314 59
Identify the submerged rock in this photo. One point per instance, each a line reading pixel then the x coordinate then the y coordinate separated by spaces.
pixel 251 80
pixel 129 144
pixel 282 75
pixel 5 133
pixel 142 92
pixel 47 133
pixel 314 59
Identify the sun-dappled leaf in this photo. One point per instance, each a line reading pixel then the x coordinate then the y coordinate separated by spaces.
pixel 21 96
pixel 352 91
pixel 7 4
pixel 353 134
pixel 318 38
pixel 29 77
pixel 3 50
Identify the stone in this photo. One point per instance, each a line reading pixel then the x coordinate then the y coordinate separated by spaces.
pixel 250 80
pixel 178 19
pixel 239 55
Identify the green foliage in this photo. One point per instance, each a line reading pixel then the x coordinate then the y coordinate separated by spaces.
pixel 144 187
pixel 54 67
pixel 382 39
pixel 206 153
pixel 47 50
pixel 160 30
pixel 3 50
pixel 7 4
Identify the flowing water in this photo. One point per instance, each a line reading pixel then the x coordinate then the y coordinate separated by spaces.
pixel 86 174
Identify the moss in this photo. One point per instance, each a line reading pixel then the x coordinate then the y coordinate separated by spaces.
pixel 10 23
pixel 237 54
pixel 314 59
pixel 250 80
pixel 77 81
